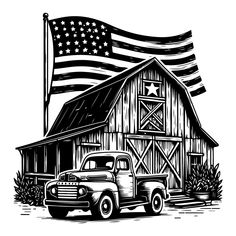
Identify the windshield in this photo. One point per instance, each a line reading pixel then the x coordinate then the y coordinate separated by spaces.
pixel 98 163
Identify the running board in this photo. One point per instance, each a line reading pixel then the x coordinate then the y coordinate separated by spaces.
pixel 132 204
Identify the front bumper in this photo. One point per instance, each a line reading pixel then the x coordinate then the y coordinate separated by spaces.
pixel 75 204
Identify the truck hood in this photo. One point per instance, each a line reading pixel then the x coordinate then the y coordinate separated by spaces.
pixel 87 176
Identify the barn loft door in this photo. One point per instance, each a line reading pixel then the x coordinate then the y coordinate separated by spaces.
pixel 153 156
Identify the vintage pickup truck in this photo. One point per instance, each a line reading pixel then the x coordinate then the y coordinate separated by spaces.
pixel 105 184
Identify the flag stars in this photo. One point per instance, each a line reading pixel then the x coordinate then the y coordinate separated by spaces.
pixel 95 51
pixel 56 28
pixel 84 41
pixel 67 34
pixel 105 44
pixel 80 23
pixel 73 29
pixel 87 23
pixel 63 22
pixel 60 52
pixel 102 26
pixel 96 30
pixel 91 36
pixel 85 50
pixel 75 35
pixel 82 35
pixel 54 22
pixel 97 37
pixel 94 43
pixel 64 28
pixel 72 22
pixel 106 53
pixel 76 50
pixel 76 42
pixel 81 29
pixel 67 50
pixel 100 46
pixel 68 43
pixel 89 30
pixel 60 44
pixel 103 33
pixel 93 24
pixel 58 36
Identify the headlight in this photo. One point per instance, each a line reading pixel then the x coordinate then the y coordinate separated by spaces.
pixel 54 190
pixel 82 191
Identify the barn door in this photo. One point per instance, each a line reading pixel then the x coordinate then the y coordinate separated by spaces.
pixel 168 160
pixel 156 157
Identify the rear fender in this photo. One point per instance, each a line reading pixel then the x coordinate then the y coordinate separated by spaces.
pixel 147 189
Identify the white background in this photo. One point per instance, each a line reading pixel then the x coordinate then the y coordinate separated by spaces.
pixel 21 89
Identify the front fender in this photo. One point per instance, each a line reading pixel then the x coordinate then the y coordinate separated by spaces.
pixel 96 189
pixel 147 188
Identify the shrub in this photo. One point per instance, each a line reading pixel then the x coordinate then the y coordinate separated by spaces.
pixel 204 179
pixel 27 192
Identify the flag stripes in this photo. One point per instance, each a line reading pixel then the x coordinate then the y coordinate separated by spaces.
pixel 88 51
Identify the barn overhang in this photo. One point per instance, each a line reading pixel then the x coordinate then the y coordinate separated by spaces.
pixel 62 136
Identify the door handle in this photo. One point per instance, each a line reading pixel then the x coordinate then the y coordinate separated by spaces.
pixel 130 175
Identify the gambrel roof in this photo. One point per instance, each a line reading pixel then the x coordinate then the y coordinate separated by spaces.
pixel 91 109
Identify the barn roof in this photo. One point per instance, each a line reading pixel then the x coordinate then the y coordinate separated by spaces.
pixel 91 108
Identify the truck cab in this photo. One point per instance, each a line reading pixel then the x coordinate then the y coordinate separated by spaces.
pixel 105 184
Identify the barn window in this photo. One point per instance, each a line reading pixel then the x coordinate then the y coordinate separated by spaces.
pixel 151 107
pixel 194 159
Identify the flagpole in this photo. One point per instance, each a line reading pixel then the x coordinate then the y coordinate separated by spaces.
pixel 45 73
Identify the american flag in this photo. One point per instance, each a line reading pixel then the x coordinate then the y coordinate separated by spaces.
pixel 88 51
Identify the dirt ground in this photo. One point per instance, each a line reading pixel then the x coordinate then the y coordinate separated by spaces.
pixel 136 215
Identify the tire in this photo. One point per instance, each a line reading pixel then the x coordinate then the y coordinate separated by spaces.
pixel 104 209
pixel 155 206
pixel 58 212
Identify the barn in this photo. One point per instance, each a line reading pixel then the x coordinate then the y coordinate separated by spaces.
pixel 144 110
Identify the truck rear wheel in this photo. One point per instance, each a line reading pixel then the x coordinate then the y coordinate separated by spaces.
pixel 58 212
pixel 105 207
pixel 155 206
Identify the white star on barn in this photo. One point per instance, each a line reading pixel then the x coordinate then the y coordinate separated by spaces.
pixel 152 89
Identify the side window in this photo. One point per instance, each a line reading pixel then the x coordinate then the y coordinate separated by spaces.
pixel 195 159
pixel 122 164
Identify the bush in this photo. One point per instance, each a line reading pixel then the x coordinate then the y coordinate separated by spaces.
pixel 204 179
pixel 27 192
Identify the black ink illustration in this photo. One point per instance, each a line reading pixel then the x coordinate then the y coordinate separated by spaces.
pixel 130 136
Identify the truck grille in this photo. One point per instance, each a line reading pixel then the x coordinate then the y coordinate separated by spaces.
pixel 67 192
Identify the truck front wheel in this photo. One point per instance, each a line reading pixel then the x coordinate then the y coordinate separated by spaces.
pixel 105 207
pixel 155 206
pixel 58 212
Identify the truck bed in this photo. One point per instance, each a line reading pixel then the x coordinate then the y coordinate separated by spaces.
pixel 155 177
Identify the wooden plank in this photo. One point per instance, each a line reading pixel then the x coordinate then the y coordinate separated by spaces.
pixel 126 116
pixel 133 106
pixel 151 99
pixel 120 141
pixel 112 141
pixel 45 159
pixel 186 125
pixel 119 111
pixel 180 117
pixel 106 141
pixel 136 136
pixel 90 144
pixel 186 159
pixel 174 112
pixel 168 109
pixel 112 121
pixel 57 169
